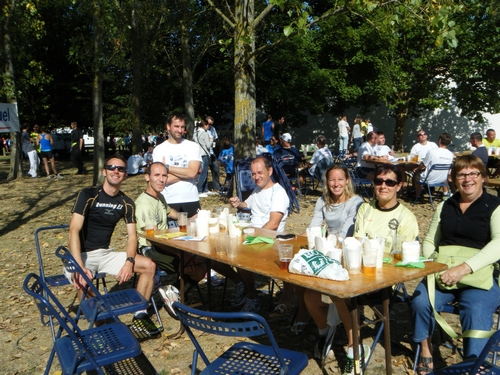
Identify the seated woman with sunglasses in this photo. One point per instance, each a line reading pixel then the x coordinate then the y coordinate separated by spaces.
pixel 469 219
pixel 380 217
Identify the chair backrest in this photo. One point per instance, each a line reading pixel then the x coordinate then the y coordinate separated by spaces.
pixel 321 167
pixel 245 184
pixel 438 168
pixel 53 280
pixel 233 324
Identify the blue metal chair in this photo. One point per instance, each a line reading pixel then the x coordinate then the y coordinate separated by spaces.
pixel 242 357
pixel 362 185
pixel 82 350
pixel 484 364
pixel 319 174
pixel 119 302
pixel 437 168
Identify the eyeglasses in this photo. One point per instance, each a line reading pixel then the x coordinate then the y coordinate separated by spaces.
pixel 471 175
pixel 120 168
pixel 422 134
pixel 389 183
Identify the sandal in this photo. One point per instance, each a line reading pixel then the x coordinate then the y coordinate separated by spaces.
pixel 279 310
pixel 424 368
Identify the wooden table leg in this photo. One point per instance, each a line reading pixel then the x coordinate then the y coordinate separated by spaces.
pixel 387 331
pixel 179 333
pixel 355 335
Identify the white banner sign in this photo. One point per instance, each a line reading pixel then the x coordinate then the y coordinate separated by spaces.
pixel 9 119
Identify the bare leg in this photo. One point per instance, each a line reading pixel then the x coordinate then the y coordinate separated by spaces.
pixel 53 165
pixel 46 165
pixel 316 308
pixel 147 268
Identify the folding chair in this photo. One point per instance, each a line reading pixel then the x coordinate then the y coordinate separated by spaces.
pixel 242 357
pixel 58 280
pixel 119 302
pixel 319 173
pixel 82 350
pixel 484 364
pixel 361 185
pixel 290 165
pixel 437 168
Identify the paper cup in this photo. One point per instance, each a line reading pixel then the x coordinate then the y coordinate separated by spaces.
pixel 411 251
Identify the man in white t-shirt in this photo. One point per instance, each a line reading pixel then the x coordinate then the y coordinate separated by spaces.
pixel 422 147
pixel 269 204
pixel 366 152
pixel 182 159
pixel 440 155
pixel 343 134
pixel 135 164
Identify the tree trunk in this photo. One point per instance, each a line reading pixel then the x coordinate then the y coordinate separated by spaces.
pixel 136 82
pixel 97 96
pixel 16 158
pixel 244 82
pixel 187 71
pixel 401 115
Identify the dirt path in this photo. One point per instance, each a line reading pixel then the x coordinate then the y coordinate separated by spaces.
pixel 25 344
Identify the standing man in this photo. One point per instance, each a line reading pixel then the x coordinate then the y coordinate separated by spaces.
pixel 343 134
pixel 476 140
pixel 95 214
pixel 423 146
pixel 279 127
pixel 268 129
pixel 29 149
pixel 269 205
pixel 183 160
pixel 213 164
pixel 77 148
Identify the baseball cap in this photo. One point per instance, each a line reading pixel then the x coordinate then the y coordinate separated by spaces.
pixel 286 137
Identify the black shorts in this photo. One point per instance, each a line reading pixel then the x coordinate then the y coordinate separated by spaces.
pixel 46 154
pixel 191 208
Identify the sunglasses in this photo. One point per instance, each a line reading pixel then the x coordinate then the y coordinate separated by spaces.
pixel 422 134
pixel 113 167
pixel 390 183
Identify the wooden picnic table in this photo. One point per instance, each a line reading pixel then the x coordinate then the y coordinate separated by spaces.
pixel 263 259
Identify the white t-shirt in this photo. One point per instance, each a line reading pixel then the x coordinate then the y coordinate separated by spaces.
pixel 343 126
pixel 382 150
pixel 134 163
pixel 263 202
pixel 179 155
pixel 365 149
pixel 437 156
pixel 421 150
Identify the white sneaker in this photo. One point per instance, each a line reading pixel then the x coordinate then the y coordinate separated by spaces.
pixel 58 176
pixel 202 195
pixel 170 294
pixel 349 366
pixel 212 193
pixel 251 305
pixel 49 177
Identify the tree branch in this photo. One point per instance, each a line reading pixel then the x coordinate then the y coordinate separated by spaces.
pixel 221 13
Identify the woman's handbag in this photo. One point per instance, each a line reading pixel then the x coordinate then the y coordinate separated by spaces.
pixel 454 255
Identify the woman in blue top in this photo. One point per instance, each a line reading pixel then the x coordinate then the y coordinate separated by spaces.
pixel 45 142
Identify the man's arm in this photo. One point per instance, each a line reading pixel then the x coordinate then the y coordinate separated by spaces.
pixel 184 173
pixel 274 221
pixel 236 203
pixel 375 158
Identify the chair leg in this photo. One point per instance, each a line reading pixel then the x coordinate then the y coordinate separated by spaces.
pixel 158 318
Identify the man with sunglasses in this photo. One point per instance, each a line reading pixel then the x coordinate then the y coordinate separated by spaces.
pixel 423 146
pixel 183 160
pixel 95 214
pixel 441 155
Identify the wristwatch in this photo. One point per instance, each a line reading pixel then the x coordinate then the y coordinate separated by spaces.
pixel 166 165
pixel 131 260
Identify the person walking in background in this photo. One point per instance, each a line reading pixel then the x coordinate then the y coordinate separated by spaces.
pixel 77 148
pixel 29 150
pixel 213 164
pixel 343 134
pixel 202 137
pixel 279 128
pixel 45 142
pixel 268 129
pixel 357 135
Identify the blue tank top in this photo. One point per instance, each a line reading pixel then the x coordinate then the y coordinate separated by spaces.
pixel 45 145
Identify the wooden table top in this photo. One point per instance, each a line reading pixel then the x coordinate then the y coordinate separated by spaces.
pixel 263 259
